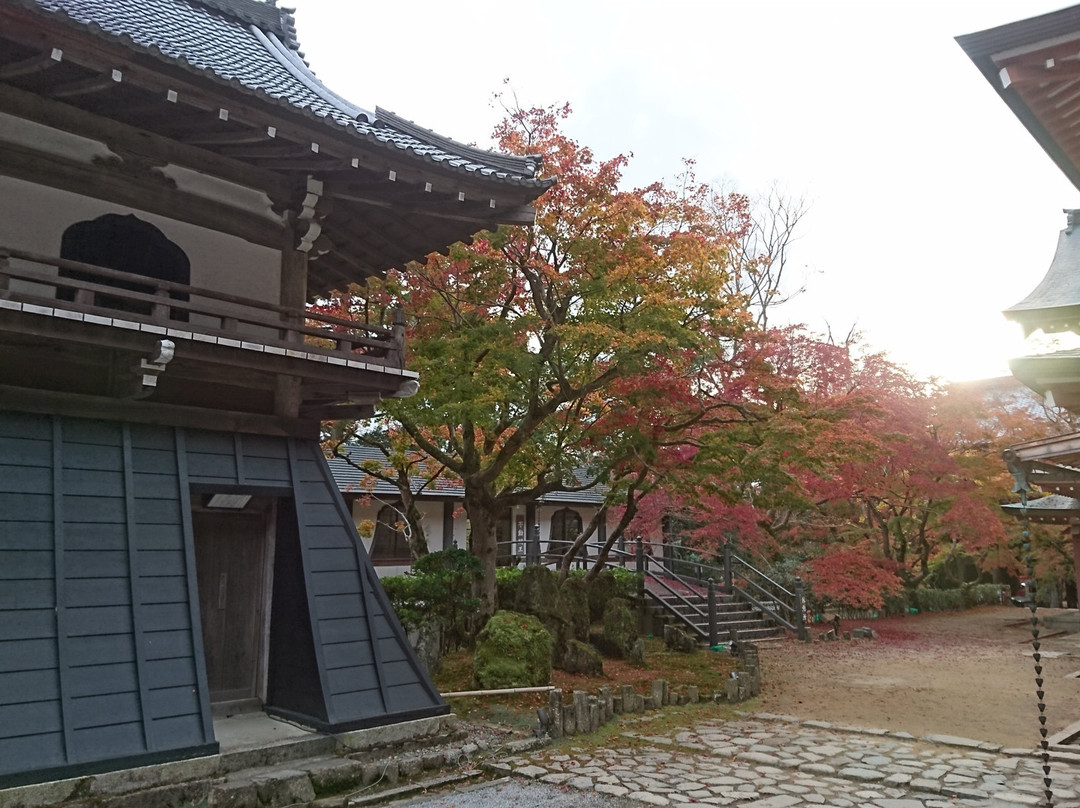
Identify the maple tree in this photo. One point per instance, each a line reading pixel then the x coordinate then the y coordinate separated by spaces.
pixel 624 335
pixel 854 473
pixel 589 340
pixel 903 472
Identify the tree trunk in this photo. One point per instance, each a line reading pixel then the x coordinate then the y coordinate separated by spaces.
pixel 482 540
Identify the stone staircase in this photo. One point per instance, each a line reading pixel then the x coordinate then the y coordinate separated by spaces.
pixel 352 769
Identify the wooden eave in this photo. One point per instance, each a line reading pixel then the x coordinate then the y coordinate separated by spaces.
pixel 1034 66
pixel 1054 376
pixel 1052 464
pixel 381 206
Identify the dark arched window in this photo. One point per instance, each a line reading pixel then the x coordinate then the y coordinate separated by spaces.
pixel 565 527
pixel 128 244
pixel 389 545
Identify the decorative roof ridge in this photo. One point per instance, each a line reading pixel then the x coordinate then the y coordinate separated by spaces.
pixel 291 60
pixel 528 165
pixel 264 15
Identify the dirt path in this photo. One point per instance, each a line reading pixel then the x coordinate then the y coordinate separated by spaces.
pixel 969 674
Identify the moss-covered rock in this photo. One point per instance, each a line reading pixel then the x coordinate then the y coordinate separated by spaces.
pixel 538 595
pixel 576 600
pixel 581 657
pixel 620 626
pixel 600 590
pixel 678 639
pixel 512 650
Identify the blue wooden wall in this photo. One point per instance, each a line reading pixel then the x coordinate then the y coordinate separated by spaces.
pixel 100 642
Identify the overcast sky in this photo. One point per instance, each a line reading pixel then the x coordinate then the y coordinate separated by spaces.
pixel 931 208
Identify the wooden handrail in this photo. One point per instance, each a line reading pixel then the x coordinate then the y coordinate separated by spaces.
pixel 291 326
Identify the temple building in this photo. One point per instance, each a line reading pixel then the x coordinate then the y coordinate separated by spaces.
pixel 1034 66
pixel 177 186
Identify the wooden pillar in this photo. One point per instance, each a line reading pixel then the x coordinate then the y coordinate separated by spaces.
pixel 294 269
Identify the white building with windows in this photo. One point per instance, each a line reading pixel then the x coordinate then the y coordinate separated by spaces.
pixel 376 510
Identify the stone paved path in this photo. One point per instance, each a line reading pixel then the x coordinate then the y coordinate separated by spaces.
pixel 778 762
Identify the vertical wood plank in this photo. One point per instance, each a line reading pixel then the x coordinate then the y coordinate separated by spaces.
pixel 368 582
pixel 192 583
pixel 63 655
pixel 238 451
pixel 320 653
pixel 137 622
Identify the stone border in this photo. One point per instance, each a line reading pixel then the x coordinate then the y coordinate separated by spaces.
pixel 586 712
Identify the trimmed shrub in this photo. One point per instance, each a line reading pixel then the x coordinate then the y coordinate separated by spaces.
pixel 627 583
pixel 405 597
pixel 512 650
pixel 506 584
pixel 939 600
pixel 439 586
pixel 900 603
pixel 982 594
pixel 620 626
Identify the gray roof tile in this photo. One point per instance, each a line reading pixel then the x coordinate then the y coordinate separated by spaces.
pixel 352 480
pixel 252 46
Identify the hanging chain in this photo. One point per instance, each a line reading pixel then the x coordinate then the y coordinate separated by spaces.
pixel 1029 560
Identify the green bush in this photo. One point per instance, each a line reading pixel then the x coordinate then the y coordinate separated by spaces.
pixel 939 600
pixel 627 583
pixel 506 584
pixel 898 604
pixel 512 650
pixel 981 594
pixel 405 597
pixel 438 586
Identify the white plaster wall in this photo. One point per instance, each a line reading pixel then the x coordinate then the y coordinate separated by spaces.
pixel 431 514
pixel 35 217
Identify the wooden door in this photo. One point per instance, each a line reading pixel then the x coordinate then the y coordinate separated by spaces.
pixel 230 561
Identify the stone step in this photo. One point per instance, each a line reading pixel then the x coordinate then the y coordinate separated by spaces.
pixel 260 772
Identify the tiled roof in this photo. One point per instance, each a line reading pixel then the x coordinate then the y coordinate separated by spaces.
pixel 351 479
pixel 252 46
pixel 1053 509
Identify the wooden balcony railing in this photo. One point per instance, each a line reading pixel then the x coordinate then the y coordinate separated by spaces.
pixel 190 312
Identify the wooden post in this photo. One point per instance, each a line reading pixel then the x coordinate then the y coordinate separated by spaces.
pixel 713 637
pixel 399 336
pixel 800 609
pixel 641 583
pixel 287 394
pixel 727 566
